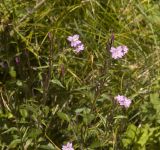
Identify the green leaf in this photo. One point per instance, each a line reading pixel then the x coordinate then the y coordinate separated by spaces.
pixel 144 137
pixel 47 147
pixel 34 133
pixel 23 113
pixel 19 83
pixel 155 100
pixel 46 110
pixel 14 143
pixel 120 117
pixel 12 72
pixel 95 144
pixel 87 118
pixel 63 116
pixel 57 82
pixel 79 110
pixel 130 135
pixel 10 130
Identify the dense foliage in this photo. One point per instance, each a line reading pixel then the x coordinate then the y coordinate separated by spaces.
pixel 51 95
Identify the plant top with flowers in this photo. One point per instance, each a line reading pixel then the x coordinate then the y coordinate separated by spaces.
pixel 79 75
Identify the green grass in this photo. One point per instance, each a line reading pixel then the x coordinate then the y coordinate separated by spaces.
pixel 54 96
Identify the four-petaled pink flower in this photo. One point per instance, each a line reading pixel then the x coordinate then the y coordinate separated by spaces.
pixel 74 40
pixel 76 43
pixel 79 48
pixel 123 101
pixel 68 146
pixel 118 52
pixel 124 49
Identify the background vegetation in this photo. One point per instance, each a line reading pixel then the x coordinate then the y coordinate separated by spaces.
pixel 50 95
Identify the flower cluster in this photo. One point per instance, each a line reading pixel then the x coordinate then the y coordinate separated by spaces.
pixel 118 52
pixel 76 43
pixel 68 146
pixel 123 101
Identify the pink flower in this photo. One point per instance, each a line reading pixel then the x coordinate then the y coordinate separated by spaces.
pixel 74 40
pixel 68 146
pixel 118 52
pixel 76 43
pixel 79 48
pixel 124 49
pixel 123 101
